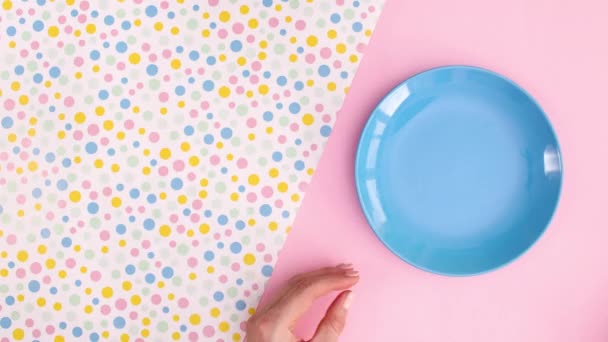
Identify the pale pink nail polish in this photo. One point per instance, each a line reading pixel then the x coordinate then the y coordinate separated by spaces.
pixel 348 300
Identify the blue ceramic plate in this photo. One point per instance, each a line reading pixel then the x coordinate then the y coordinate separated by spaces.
pixel 458 171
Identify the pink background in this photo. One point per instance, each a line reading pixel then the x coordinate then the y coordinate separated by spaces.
pixel 557 50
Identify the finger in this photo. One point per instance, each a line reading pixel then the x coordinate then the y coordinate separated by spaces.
pixel 300 296
pixel 332 324
pixel 296 279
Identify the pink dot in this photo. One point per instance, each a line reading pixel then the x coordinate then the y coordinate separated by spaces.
pixel 252 197
pixel 260 247
pixel 166 53
pixel 50 329
pixel 36 333
pixel 178 165
pixel 214 160
pixel 235 266
pixel 11 239
pixel 183 303
pixel 120 66
pixel 268 258
pixel 70 263
pixel 20 273
pixel 208 331
pixel 120 304
pixel 155 299
pixel 77 135
pixel 282 139
pixel 145 47
pixel 197 204
pixel 222 33
pixel 361 47
pixel 267 191
pixel 300 25
pixel 105 141
pixel 93 129
pixel 195 218
pixel 273 22
pixel 192 336
pixel 29 322
pixel 238 28
pixel 241 163
pixel 134 252
pixel 95 276
pixel 84 5
pixel 104 235
pixel 154 137
pixel 106 309
pixel 325 52
pixel 9 104
pixel 133 315
pixel 35 267
pixel 145 244
pixel 129 124
pixel 43 98
pixel 310 58
pixel 256 65
pixel 21 199
pixel 163 97
pixel 337 64
pixel 163 171
pixel 251 122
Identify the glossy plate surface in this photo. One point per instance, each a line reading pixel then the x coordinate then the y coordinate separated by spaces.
pixel 458 171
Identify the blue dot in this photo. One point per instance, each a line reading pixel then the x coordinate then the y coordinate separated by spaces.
pixel 325 131
pixel 188 130
pixel 267 270
pixel 236 45
pixel 235 247
pixel 121 47
pixel 150 278
pixel 208 139
pixel 239 282
pixel 45 233
pixel 126 25
pixel 33 286
pixel 171 15
pixel 180 90
pixel 41 2
pixel 176 183
pixel 149 224
pixel 179 49
pixel 134 193
pixel 10 300
pixel 209 256
pixel 93 208
pixel 125 103
pixel 294 108
pixel 119 322
pixel 335 18
pixel 194 55
pixel 62 184
pixel 324 70
pixel 108 20
pixel 265 210
pixel 299 85
pixel 5 322
pixel 246 73
pixel 267 3
pixel 222 219
pixel 54 72
pixel 11 31
pixel 38 26
pixel 120 187
pixel 240 305
pixel 240 225
pixel 37 78
pixel 226 133
pixel 77 331
pixel 344 74
pixel 267 74
pixel 268 116
pixel 211 60
pixel 357 27
pixel 299 165
pixel 121 229
pixel 167 272
pixel 208 85
pixel 66 242
pixel 94 337
pixel 218 296
pixel 103 94
pixel 19 70
pixel 91 147
pixel 7 122
pixel 281 80
pixel 151 69
pixel 36 192
pixel 130 269
pixel 277 156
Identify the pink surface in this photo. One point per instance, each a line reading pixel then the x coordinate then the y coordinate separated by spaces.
pixel 558 291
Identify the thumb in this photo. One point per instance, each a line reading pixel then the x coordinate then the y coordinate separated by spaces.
pixel 332 324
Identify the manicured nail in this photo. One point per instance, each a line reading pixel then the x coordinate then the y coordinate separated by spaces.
pixel 348 300
pixel 345 266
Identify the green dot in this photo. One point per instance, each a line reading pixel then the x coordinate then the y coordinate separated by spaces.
pixel 95 222
pixel 120 13
pixel 32 66
pixel 196 95
pixel 241 110
pixel 15 315
pixel 132 161
pixel 349 14
pixel 182 249
pixel 74 299
pixel 115 274
pixel 89 99
pixel 232 292
pixel 143 265
pixel 69 49
pixel 110 60
pixel 131 40
pixel 31 238
pixel 26 36
pixel 224 260
pixel 89 254
pixel 192 24
pixel 88 325
pixel 236 141
pixel 203 301
pixel 262 161
pixel 234 213
pixel 291 152
pixel 246 240
pixel 321 23
pixel 3 289
pixel 154 84
pixel 145 187
pixel 176 281
pixel 136 235
pixel 234 318
pixel 294 3
pixel 162 326
pixel 279 49
pixel 116 90
pixel 220 187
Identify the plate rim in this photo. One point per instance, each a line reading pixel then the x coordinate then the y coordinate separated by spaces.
pixel 367 126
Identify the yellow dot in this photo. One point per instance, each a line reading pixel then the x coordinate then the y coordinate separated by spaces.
pixel 115 167
pixel 176 63
pixel 185 146
pixel 194 161
pixel 75 196
pixel 252 23
pixel 57 306
pixel 134 58
pixel 215 312
pixel 254 179
pixel 203 228
pixel 18 333
pixel 165 153
pixel 90 28
pixel 295 197
pixel 224 91
pixel 41 302
pixel 282 187
pixel 273 226
pixel 224 16
pixel 210 269
pixel 244 9
pixel 108 125
pixel 241 61
pixel 263 89
pixel 273 172
pixel 236 337
pixel 22 256
pixel 23 100
pixel 195 319
pixel 32 166
pixel 312 41
pixel 158 26
pixel 116 202
pixel 234 196
pixel 15 86
pixel 124 338
pixel 174 30
pixel 165 230
pixel 353 58
pixel 135 299
pixel 41 249
pixel 176 336
pixel 53 31
pixel 224 326
pixel 308 119
pixel 98 163
pixel 80 117
pixel 340 48
pixel 331 34
pixel 145 332
pixel 107 292
pixel 331 86
pixel 249 259
pixel 50 264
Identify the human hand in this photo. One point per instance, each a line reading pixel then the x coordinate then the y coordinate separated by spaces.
pixel 276 321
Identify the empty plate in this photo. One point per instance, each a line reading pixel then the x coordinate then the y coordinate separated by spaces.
pixel 458 171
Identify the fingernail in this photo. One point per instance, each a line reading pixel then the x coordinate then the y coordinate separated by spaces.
pixel 348 300
pixel 345 266
pixel 352 273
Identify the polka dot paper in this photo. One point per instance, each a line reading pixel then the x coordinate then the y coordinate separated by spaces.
pixel 153 155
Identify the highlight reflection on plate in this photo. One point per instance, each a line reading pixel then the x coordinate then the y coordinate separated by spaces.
pixel 458 171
